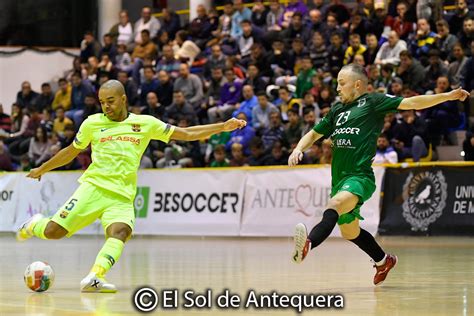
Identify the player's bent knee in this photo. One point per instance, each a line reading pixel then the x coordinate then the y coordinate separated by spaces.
pixel 120 231
pixel 54 231
pixel 349 233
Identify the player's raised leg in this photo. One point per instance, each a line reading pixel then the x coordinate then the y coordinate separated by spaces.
pixel 383 262
pixel 41 227
pixel 343 202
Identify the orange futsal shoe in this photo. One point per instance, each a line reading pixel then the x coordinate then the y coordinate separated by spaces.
pixel 382 271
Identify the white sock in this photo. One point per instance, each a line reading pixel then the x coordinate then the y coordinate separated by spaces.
pixel 381 262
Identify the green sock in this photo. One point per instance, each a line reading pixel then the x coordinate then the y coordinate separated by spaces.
pixel 40 227
pixel 108 255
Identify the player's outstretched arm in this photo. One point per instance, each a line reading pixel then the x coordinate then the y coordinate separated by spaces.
pixel 63 157
pixel 305 142
pixel 205 131
pixel 425 101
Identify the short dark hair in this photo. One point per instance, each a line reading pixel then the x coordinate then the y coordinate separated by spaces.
pixel 307 110
pixel 62 80
pixel 45 84
pixel 298 14
pixel 145 32
pixel 246 21
pixel 294 111
pixel 77 74
pixel 149 67
pixel 406 53
pixel 261 93
pixel 384 135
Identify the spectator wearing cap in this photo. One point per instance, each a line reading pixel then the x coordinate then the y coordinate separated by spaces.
pixel 122 32
pixel 241 13
pixel 445 41
pixel 261 112
pixel 146 22
pixel 455 68
pixel 434 70
pixel 411 72
pixel 355 48
pixel 389 52
pixel 358 24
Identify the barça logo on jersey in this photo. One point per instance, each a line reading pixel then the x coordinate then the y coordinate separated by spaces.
pixel 63 214
pixel 136 128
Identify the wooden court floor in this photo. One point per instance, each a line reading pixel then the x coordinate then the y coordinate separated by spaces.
pixel 435 276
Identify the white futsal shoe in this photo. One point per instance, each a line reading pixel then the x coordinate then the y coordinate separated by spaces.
pixel 94 284
pixel 302 243
pixel 26 229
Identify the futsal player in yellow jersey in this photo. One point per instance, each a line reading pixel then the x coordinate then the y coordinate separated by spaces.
pixel 108 186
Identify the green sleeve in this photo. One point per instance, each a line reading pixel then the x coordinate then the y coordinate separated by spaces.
pixel 386 103
pixel 326 125
pixel 84 136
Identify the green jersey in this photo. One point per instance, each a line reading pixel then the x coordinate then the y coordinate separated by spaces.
pixel 354 129
pixel 117 148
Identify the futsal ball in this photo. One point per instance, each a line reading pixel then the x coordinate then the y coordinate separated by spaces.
pixel 39 276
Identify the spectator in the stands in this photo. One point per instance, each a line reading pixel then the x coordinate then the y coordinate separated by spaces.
pixel 410 137
pixel 253 77
pixel 440 118
pixel 250 36
pixel 274 132
pixel 91 106
pixel 259 14
pixel 241 13
pixel 248 103
pixel 214 88
pixel 296 29
pixel 445 40
pixel 455 68
pixel 61 121
pixel 435 69
pixel 26 98
pixel 170 22
pixel 318 52
pixel 305 76
pixel 222 33
pixel 122 32
pixel 389 52
pixel 293 7
pixel 80 88
pixel 411 71
pixel 200 27
pixel 215 60
pixel 62 98
pixel 168 62
pixel 149 85
pixel 460 14
pixel 130 87
pixel 309 118
pixel 372 49
pixel 146 48
pixel 5 122
pixel 423 41
pixel 146 22
pixel 385 152
pixel 5 160
pixel 274 15
pixel 286 102
pixel 220 159
pixel 261 112
pixel 293 129
pixel 242 136
pixel 336 52
pixel 468 145
pixel 380 21
pixel 466 36
pixel 238 158
pixel 355 48
pixel 19 123
pixel 400 23
pixel 326 152
pixel 108 48
pixel 190 85
pixel 38 151
pixel 257 152
pixel 180 108
pixel 154 107
pixel 45 99
pixel 230 96
pixel 89 47
pixel 165 88
pixel 278 155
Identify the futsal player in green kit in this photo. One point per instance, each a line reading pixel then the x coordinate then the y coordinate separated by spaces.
pixel 118 139
pixel 354 124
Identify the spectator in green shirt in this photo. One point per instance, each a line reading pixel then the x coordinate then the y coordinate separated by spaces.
pixel 305 75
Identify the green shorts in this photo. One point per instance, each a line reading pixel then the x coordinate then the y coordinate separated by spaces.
pixel 90 203
pixel 363 187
